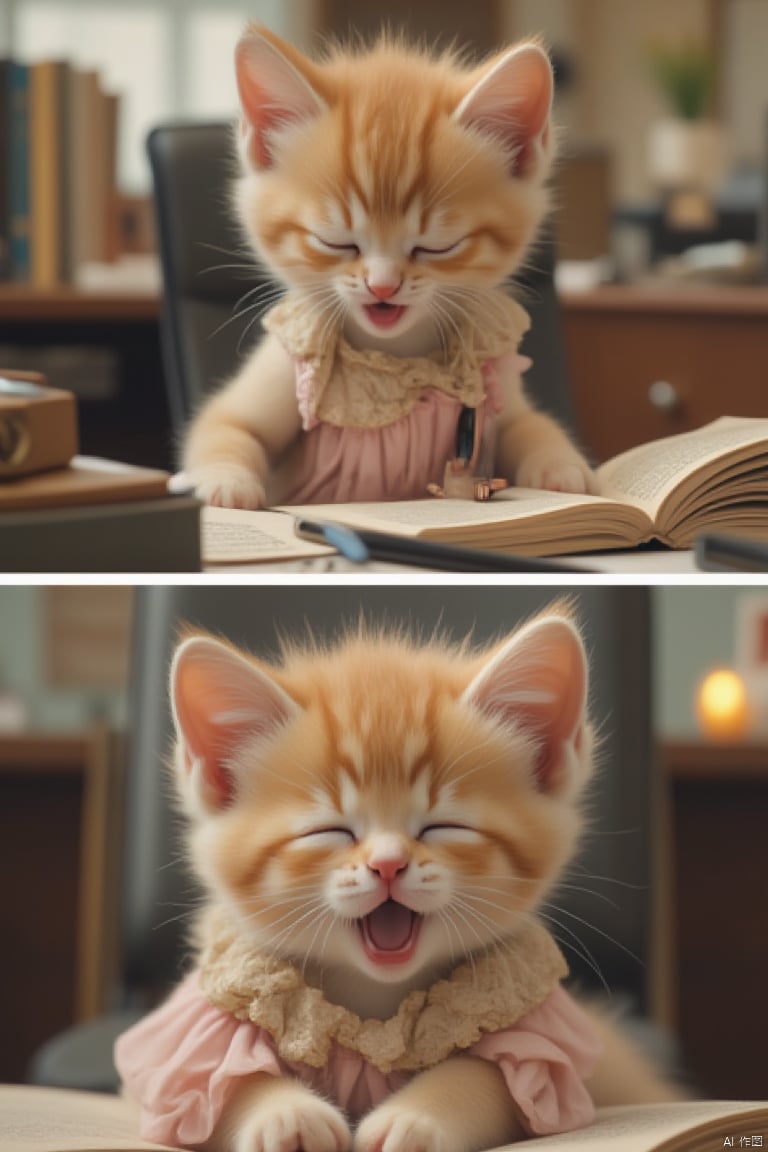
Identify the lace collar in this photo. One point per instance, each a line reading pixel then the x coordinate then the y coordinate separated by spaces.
pixel 342 385
pixel 491 994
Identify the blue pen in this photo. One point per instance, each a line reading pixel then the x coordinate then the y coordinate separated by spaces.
pixel 366 545
pixel 346 542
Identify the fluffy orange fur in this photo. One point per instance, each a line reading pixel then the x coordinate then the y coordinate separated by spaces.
pixel 455 774
pixel 389 144
pixel 383 723
pixel 383 170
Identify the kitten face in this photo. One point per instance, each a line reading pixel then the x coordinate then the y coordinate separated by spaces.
pixel 393 187
pixel 383 808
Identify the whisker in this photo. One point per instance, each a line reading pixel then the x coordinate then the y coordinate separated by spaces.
pixel 313 908
pixel 579 948
pixel 327 913
pixel 446 921
pixel 593 928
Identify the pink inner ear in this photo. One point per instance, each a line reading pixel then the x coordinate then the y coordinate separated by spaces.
pixel 220 699
pixel 264 119
pixel 512 103
pixel 537 683
pixel 206 743
pixel 272 93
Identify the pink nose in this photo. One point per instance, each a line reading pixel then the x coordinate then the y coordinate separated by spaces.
pixel 382 291
pixel 388 866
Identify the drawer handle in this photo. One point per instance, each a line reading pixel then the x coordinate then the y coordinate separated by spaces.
pixel 664 396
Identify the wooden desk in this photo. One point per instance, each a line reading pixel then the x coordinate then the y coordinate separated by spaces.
pixel 58 845
pixel 709 344
pixel 713 915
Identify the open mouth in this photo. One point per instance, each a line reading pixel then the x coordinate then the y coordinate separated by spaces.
pixel 383 314
pixel 390 933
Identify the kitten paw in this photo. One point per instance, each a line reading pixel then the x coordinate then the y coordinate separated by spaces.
pixel 228 486
pixel 557 474
pixel 294 1126
pixel 390 1129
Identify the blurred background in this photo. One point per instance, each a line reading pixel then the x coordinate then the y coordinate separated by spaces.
pixel 660 193
pixel 661 913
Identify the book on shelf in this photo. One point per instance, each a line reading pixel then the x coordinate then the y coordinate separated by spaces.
pixel 5 153
pixel 97 516
pixel 60 180
pixel 670 490
pixel 49 144
pixel 60 1120
pixel 16 174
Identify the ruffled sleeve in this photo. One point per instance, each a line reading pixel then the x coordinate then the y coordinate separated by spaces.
pixel 545 1059
pixel 182 1061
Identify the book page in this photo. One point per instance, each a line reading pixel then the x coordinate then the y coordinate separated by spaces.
pixel 56 1120
pixel 235 536
pixel 524 521
pixel 521 520
pixel 648 474
pixel 657 1127
pixel 417 517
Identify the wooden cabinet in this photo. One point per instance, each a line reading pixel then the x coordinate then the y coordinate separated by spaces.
pixel 712 923
pixel 105 347
pixel 58 880
pixel 649 362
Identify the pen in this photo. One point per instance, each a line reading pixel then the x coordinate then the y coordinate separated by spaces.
pixel 420 553
pixel 346 542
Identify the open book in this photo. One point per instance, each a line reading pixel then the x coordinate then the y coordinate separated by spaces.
pixel 52 1120
pixel 671 490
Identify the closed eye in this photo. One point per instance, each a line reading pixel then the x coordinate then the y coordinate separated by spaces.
pixel 449 834
pixel 326 838
pixel 347 246
pixel 436 253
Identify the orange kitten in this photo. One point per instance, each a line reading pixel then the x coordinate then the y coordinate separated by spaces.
pixel 393 193
pixel 376 826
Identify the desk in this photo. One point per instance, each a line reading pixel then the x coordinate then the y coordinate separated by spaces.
pixel 658 564
pixel 713 929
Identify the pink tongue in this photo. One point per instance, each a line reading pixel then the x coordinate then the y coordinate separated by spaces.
pixel 389 926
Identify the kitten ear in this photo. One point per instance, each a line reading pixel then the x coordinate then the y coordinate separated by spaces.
pixel 537 683
pixel 512 101
pixel 219 699
pixel 274 91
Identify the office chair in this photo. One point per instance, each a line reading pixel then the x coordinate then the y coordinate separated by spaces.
pixel 158 893
pixel 208 326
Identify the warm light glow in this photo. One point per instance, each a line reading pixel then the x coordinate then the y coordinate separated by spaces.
pixel 722 704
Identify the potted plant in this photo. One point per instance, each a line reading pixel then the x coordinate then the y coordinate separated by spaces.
pixel 687 147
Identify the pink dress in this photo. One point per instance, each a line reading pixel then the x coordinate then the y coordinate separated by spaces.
pixel 182 1061
pixel 377 426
